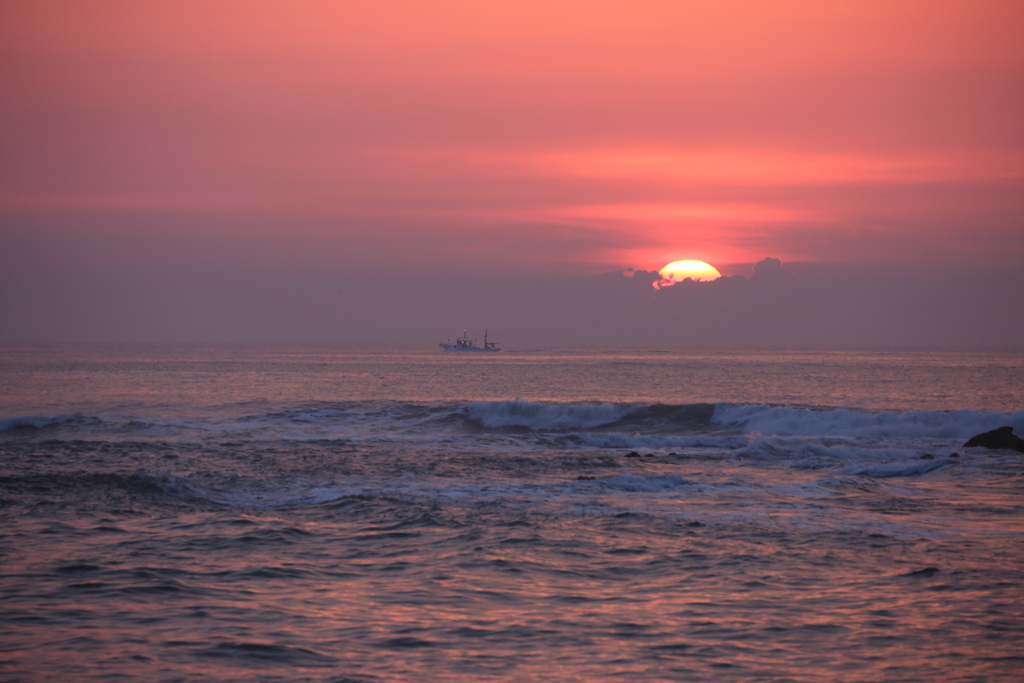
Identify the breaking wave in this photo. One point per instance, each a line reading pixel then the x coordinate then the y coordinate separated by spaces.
pixel 536 416
pixel 542 416
pixel 787 421
pixel 724 425
pixel 752 431
pixel 32 422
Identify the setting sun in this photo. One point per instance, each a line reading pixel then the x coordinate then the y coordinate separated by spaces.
pixel 677 271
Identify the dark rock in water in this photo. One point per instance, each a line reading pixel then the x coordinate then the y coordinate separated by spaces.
pixel 954 455
pixel 584 477
pixel 926 572
pixel 927 456
pixel 633 454
pixel 997 438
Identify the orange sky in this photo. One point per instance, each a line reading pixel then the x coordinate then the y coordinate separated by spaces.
pixel 519 136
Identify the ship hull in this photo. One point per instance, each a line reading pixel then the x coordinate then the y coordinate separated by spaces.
pixel 462 349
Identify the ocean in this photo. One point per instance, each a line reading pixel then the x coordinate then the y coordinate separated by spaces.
pixel 228 513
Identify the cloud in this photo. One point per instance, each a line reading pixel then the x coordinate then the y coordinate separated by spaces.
pixel 770 270
pixel 711 130
pixel 765 273
pixel 626 279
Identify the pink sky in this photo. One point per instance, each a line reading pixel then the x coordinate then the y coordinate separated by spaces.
pixel 515 136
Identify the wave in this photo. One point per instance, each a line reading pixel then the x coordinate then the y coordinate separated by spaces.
pixel 730 418
pixel 195 489
pixel 537 416
pixel 649 484
pixel 896 469
pixel 244 492
pixel 788 421
pixel 658 442
pixel 820 451
pixel 33 422
pixel 547 417
pixel 632 426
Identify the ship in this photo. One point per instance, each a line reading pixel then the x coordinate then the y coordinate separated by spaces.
pixel 464 343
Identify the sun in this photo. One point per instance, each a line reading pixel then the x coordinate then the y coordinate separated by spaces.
pixel 677 271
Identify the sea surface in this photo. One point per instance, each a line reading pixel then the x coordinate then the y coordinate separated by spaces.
pixel 190 513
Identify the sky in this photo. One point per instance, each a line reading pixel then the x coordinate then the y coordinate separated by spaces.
pixel 391 172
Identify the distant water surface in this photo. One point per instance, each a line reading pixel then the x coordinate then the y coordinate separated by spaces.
pixel 173 513
pixel 171 377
